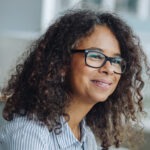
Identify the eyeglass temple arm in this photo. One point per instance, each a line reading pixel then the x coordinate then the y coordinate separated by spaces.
pixel 77 51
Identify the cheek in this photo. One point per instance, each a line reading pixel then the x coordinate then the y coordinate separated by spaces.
pixel 80 74
pixel 76 71
pixel 117 80
pixel 78 67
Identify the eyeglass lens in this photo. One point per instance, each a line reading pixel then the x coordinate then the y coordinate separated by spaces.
pixel 97 59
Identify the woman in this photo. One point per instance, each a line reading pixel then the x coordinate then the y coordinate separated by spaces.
pixel 83 76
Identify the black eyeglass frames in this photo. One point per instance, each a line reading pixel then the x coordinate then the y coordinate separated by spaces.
pixel 96 59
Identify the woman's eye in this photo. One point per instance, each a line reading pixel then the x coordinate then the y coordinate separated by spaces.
pixel 96 56
pixel 116 61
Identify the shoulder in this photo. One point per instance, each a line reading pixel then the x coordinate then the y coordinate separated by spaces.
pixel 23 125
pixel 21 133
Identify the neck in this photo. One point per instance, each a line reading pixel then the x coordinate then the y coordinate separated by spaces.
pixel 77 110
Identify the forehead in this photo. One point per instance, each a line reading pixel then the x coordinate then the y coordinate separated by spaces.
pixel 101 37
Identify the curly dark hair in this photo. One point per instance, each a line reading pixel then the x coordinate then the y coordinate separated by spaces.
pixel 35 89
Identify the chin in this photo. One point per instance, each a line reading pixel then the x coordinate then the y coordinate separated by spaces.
pixel 102 99
pixel 101 96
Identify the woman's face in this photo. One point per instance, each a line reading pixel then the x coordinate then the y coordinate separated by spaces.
pixel 94 85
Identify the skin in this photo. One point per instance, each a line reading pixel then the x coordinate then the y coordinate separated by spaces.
pixel 85 91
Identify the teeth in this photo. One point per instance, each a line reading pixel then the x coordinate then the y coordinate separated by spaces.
pixel 102 83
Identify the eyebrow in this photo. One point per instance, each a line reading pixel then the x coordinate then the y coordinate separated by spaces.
pixel 101 50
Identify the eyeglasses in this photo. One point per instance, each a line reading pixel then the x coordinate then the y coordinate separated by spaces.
pixel 96 59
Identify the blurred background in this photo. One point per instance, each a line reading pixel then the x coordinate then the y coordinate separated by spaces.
pixel 23 21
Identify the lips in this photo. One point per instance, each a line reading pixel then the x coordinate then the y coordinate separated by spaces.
pixel 102 83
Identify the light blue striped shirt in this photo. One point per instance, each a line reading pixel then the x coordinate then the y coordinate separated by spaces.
pixel 24 134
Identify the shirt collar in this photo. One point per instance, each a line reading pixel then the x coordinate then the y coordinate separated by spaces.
pixel 66 138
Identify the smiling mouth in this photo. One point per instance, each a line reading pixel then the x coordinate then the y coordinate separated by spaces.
pixel 102 84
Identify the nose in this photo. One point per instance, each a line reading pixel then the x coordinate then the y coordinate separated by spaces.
pixel 107 68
